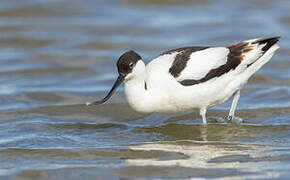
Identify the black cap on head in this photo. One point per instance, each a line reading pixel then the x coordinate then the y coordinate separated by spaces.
pixel 125 65
pixel 127 62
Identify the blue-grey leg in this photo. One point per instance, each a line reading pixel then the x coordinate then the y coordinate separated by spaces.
pixel 236 98
pixel 203 114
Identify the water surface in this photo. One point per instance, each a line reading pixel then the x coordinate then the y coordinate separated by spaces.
pixel 56 55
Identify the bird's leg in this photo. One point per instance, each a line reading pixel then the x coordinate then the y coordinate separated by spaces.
pixel 231 116
pixel 203 114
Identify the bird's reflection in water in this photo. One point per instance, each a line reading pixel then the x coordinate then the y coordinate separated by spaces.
pixel 203 144
pixel 194 154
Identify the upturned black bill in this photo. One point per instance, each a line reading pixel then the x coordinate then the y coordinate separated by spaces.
pixel 117 83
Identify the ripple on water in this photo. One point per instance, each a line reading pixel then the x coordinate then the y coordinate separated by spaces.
pixel 53 60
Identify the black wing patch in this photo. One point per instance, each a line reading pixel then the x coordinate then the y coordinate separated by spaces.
pixel 268 41
pixel 234 58
pixel 181 58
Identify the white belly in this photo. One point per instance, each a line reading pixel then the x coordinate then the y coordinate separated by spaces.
pixel 187 98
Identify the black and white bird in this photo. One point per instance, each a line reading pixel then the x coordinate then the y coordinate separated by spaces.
pixel 184 79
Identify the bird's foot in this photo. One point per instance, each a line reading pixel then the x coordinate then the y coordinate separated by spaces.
pixel 220 120
pixel 215 120
pixel 235 120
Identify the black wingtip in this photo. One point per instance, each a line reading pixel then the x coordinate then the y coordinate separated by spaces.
pixel 269 42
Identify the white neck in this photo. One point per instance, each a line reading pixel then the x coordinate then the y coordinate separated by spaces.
pixel 137 95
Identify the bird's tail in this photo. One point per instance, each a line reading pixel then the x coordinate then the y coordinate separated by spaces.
pixel 267 43
pixel 259 47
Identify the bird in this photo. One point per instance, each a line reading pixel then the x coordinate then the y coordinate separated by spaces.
pixel 191 78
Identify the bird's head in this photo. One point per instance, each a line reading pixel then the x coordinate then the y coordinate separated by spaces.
pixel 127 64
pixel 127 69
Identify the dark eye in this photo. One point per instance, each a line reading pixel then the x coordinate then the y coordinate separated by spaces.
pixel 131 65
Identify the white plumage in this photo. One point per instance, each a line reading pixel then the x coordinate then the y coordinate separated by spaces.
pixel 191 78
pixel 201 62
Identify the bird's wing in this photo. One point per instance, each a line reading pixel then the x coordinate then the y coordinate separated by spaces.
pixel 194 65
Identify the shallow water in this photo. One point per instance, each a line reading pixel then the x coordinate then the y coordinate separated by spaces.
pixel 56 55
